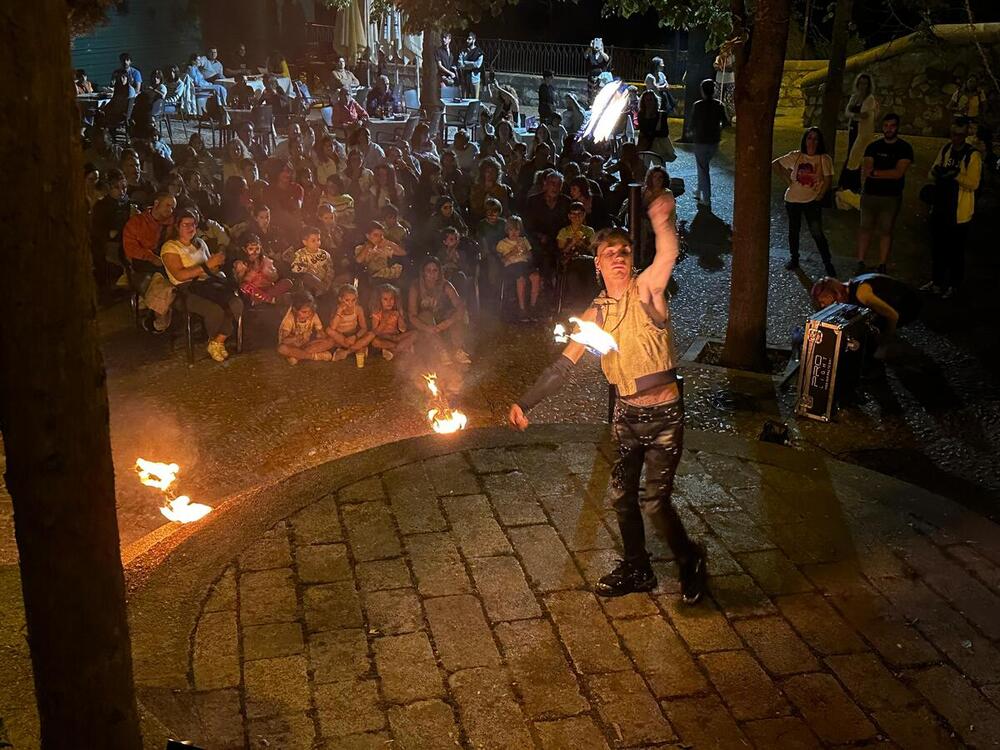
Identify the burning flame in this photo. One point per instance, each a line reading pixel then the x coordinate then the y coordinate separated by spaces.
pixel 162 476
pixel 608 106
pixel 450 420
pixel 154 474
pixel 444 420
pixel 182 510
pixel 591 335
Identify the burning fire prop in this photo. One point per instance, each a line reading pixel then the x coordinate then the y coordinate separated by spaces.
pixel 162 476
pixel 596 339
pixel 443 418
pixel 607 110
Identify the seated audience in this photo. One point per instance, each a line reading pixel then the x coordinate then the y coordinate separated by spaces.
pixel 348 328
pixel 437 312
pixel 519 266
pixel 301 335
pixel 208 293
pixel 389 324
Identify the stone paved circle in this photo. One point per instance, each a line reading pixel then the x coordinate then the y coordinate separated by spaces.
pixel 445 602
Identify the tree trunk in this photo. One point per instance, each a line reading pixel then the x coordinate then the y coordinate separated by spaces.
pixel 699 67
pixel 430 87
pixel 833 90
pixel 53 401
pixel 759 65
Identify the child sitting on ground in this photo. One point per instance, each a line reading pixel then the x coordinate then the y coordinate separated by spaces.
pixel 257 276
pixel 389 325
pixel 311 264
pixel 301 335
pixel 376 254
pixel 348 328
pixel 519 265
pixel 576 238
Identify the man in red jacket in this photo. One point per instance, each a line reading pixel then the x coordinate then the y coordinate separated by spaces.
pixel 141 240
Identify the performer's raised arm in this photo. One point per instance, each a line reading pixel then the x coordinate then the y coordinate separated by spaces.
pixel 654 279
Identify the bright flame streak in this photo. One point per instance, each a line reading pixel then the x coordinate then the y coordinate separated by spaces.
pixel 432 384
pixel 182 510
pixel 593 337
pixel 609 104
pixel 154 474
pixel 447 421
pixel 560 333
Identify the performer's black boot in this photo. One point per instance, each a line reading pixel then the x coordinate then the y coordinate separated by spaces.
pixel 694 575
pixel 626 578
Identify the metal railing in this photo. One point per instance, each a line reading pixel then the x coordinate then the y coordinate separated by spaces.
pixel 320 36
pixel 627 63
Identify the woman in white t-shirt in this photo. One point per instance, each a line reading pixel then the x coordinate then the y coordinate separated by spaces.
pixel 189 265
pixel 807 173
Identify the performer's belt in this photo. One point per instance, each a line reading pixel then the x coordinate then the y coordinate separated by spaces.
pixel 654 379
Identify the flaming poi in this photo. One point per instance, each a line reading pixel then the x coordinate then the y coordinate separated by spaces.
pixel 607 110
pixel 443 418
pixel 592 336
pixel 162 476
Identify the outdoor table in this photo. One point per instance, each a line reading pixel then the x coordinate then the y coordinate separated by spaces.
pixel 454 107
pixel 384 130
pixel 88 104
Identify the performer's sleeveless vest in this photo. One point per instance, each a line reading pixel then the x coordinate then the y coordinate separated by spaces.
pixel 645 356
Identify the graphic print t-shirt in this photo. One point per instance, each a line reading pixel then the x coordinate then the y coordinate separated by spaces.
pixel 807 175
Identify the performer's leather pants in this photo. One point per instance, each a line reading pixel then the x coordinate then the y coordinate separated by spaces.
pixel 653 435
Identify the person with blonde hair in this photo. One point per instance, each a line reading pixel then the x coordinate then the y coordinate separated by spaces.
pixel 861 111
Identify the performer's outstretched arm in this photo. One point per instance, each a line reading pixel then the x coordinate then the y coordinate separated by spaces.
pixel 551 379
pixel 653 280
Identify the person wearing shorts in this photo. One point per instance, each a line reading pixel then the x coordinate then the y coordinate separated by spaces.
pixel 883 173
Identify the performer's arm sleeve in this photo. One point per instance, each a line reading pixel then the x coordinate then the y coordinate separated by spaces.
pixel 553 377
pixel 548 383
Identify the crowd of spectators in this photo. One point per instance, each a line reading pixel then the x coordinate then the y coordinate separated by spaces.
pixel 332 245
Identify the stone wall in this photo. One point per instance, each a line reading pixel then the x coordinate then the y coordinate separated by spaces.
pixel 914 77
pixel 791 98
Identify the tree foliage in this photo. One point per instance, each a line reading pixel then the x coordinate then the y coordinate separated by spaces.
pixel 84 15
pixel 714 15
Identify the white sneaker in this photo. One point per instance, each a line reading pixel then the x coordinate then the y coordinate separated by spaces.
pixel 462 357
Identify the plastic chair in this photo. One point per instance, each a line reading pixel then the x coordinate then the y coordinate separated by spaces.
pixel 262 118
pixel 327 114
pixel 411 101
pixel 180 306
pixel 469 119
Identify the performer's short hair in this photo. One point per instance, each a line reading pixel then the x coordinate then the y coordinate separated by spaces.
pixel 612 235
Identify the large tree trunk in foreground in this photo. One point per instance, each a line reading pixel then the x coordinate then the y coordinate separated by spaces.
pixel 53 401
pixel 834 88
pixel 759 65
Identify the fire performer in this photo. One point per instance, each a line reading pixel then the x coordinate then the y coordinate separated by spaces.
pixel 648 424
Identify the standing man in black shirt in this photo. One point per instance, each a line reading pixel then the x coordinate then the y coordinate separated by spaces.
pixel 546 97
pixel 446 61
pixel 470 65
pixel 882 177
pixel 708 118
